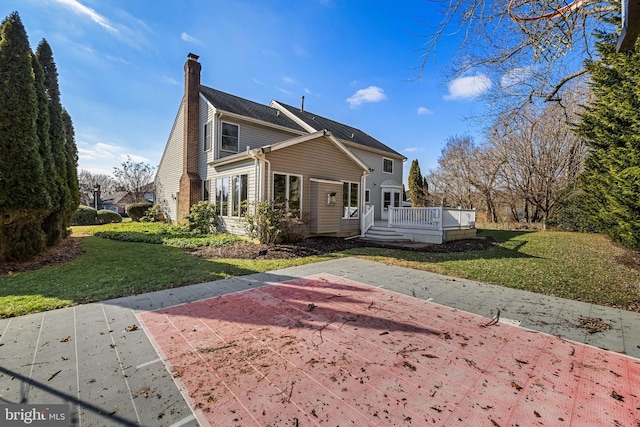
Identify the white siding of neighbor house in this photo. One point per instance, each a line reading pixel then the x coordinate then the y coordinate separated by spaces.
pixel 167 179
pixel 377 176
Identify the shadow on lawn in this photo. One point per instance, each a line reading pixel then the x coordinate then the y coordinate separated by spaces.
pixel 499 245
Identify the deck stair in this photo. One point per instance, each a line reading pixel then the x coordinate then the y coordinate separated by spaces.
pixel 377 232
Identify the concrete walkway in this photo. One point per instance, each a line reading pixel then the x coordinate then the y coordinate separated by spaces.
pixel 97 358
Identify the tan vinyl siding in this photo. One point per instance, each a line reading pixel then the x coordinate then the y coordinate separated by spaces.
pixel 328 216
pixel 167 179
pixel 318 158
pixel 251 135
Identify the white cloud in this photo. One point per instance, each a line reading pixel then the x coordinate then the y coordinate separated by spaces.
pixel 190 39
pixel 468 87
pixel 412 149
pixel 424 111
pixel 117 59
pixel 286 92
pixel 81 9
pixel 99 151
pixel 288 80
pixel 370 94
pixel 133 157
pixel 170 80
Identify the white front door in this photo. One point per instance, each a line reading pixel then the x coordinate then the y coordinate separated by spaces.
pixel 390 198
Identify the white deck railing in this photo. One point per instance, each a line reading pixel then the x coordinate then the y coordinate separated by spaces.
pixel 436 218
pixel 367 219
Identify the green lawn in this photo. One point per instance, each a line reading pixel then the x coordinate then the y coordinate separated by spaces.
pixel 577 266
pixel 569 265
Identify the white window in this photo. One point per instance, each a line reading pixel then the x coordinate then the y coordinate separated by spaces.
pixel 387 165
pixel 350 198
pixel 287 193
pixel 207 135
pixel 206 185
pixel 222 196
pixel 239 184
pixel 230 139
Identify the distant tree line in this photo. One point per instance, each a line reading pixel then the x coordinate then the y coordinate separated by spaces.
pixel 529 161
pixel 39 190
pixel 573 163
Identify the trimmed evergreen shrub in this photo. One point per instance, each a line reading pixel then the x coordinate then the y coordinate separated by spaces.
pixel 138 210
pixel 85 215
pixel 106 216
pixel 203 218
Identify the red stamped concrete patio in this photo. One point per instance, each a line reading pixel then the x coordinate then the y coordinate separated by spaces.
pixel 325 350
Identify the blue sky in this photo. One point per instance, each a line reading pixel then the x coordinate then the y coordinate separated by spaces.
pixel 120 65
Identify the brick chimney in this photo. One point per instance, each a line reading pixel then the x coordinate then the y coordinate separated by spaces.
pixel 190 182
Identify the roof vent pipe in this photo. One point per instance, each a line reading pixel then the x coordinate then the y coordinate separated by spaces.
pixel 302 106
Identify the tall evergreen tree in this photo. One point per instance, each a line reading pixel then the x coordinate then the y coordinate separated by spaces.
pixel 56 225
pixel 611 127
pixel 418 186
pixel 71 154
pixel 42 130
pixel 22 185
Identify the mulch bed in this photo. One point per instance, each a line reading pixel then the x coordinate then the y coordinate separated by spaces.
pixel 66 251
pixel 324 245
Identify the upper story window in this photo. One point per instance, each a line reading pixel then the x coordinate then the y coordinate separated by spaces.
pixel 230 138
pixel 387 165
pixel 208 127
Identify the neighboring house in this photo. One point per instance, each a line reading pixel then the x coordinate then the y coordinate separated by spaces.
pixel 229 150
pixel 118 201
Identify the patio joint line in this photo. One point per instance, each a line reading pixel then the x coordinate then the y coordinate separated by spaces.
pixel 184 421
pixel 151 362
pixel 33 361
pixel 4 332
pixel 124 375
pixel 75 339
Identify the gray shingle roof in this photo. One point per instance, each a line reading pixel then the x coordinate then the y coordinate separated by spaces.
pixel 339 130
pixel 234 104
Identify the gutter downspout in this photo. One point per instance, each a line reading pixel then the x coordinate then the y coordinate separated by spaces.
pixel 260 153
pixel 363 211
pixel 257 188
pixel 363 183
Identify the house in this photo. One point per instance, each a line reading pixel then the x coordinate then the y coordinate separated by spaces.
pixel 229 150
pixel 118 201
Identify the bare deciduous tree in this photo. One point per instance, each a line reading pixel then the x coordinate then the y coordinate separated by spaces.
pixel 134 177
pixel 530 49
pixel 88 181
pixel 541 155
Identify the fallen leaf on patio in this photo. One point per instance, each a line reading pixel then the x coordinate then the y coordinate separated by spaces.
pixel 65 339
pixel 617 396
pixel 537 414
pixel 516 385
pixel 522 362
pixel 131 328
pixel 409 365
